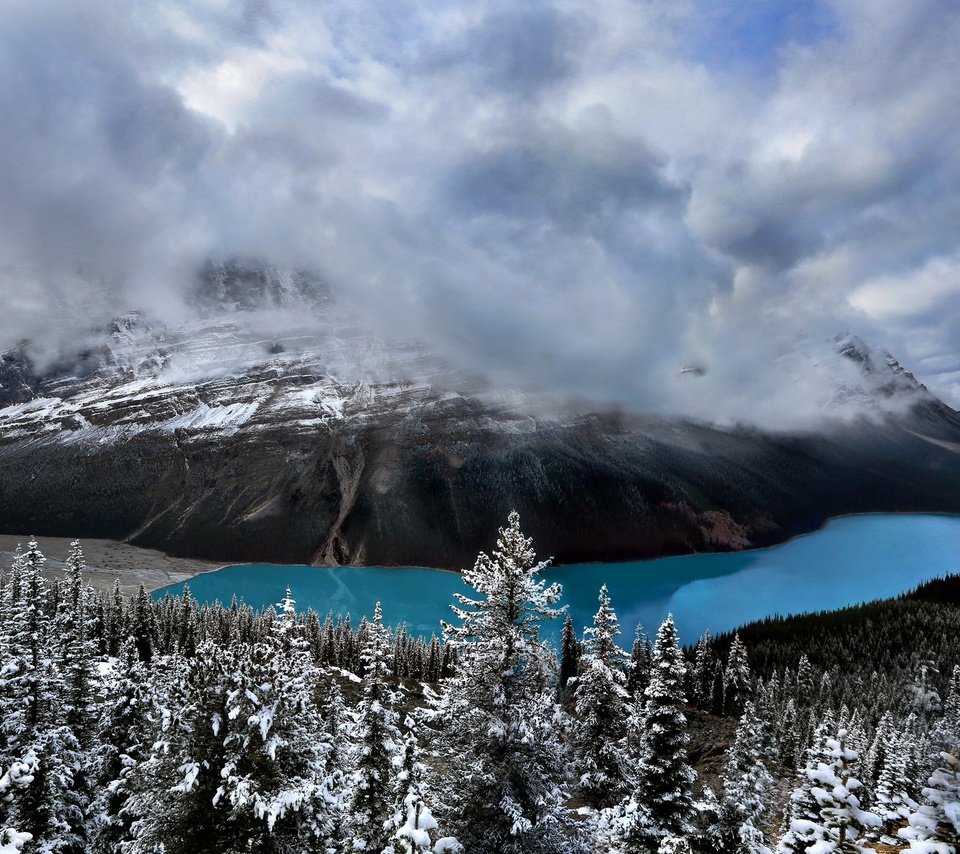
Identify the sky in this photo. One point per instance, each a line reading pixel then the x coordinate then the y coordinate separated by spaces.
pixel 582 197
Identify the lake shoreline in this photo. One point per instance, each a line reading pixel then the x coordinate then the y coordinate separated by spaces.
pixel 110 560
pixel 859 558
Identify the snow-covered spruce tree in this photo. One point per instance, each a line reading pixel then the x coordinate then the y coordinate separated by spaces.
pixel 661 803
pixel 412 823
pixel 701 674
pixel 945 731
pixel 921 689
pixel 172 791
pixel 840 823
pixel 746 788
pixel 49 807
pixel 806 688
pixel 377 741
pixel 951 708
pixel 74 652
pixel 737 679
pixel 122 736
pixel 239 763
pixel 803 806
pixel 334 735
pixel 601 701
pixel 788 736
pixel 142 624
pixel 934 828
pixel 638 668
pixel 569 656
pixel 116 620
pixel 18 775
pixel 891 803
pixel 77 650
pixel 885 738
pixel 499 724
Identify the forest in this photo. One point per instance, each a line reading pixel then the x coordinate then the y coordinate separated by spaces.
pixel 135 725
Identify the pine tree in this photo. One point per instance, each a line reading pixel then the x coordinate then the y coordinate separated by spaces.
pixel 934 828
pixel 945 732
pixel 601 701
pixel 803 806
pixel 789 735
pixel 569 655
pixel 840 822
pixel 18 775
pixel 892 804
pixel 377 739
pixel 662 801
pixel 746 787
pixel 884 738
pixel 123 732
pixel 806 687
pixel 337 767
pixel 638 669
pixel 50 806
pixel 77 651
pixel 239 765
pixel 413 825
pixel 701 676
pixel 142 625
pixel 737 679
pixel 499 720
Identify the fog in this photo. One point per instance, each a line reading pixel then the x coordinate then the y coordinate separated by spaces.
pixel 580 199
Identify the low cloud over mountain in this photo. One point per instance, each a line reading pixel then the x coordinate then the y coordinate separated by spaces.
pixel 584 199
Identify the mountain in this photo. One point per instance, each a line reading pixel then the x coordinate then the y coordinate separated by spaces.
pixel 272 426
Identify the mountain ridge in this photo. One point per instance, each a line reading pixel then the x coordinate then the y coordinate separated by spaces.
pixel 322 443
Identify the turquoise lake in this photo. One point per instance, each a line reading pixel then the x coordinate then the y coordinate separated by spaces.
pixel 853 559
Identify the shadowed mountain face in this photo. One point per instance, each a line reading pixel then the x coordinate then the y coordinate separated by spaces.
pixel 319 443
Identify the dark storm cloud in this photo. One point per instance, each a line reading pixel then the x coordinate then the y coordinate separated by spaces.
pixel 583 198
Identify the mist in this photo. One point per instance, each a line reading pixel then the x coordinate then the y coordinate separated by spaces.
pixel 583 200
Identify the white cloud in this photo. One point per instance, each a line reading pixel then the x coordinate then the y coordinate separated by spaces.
pixel 578 197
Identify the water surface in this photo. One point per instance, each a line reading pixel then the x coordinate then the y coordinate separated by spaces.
pixel 853 559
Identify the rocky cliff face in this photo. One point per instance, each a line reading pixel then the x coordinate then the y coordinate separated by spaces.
pixel 326 445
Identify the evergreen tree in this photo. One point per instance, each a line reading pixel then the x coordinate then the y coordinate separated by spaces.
pixel 239 766
pixel 500 722
pixel 661 804
pixel 18 775
pixel 569 655
pixel 884 738
pixel 638 669
pixel 803 806
pixel 116 627
pixel 601 701
pixel 934 828
pixel 704 664
pixel 77 650
pixel 746 787
pixel 142 625
pixel 892 804
pixel 945 732
pixel 737 679
pixel 840 822
pixel 123 732
pixel 377 739
pixel 414 827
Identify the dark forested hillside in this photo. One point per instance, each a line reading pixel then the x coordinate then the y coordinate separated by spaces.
pixel 332 446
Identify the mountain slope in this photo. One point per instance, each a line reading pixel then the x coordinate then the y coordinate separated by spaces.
pixel 324 444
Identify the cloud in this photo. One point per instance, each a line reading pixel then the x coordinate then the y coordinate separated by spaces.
pixel 578 198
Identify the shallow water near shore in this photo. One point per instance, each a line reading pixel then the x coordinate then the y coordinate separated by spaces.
pixel 853 559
